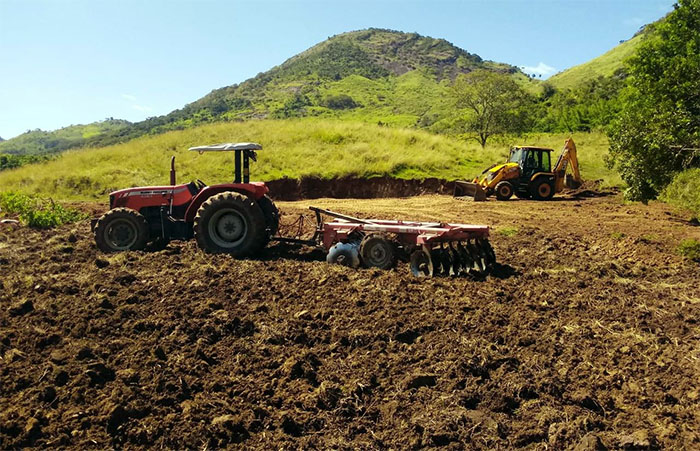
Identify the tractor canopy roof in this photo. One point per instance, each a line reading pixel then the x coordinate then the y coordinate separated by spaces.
pixel 227 147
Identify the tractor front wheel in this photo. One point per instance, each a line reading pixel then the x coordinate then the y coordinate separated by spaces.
pixel 230 223
pixel 121 229
pixel 504 191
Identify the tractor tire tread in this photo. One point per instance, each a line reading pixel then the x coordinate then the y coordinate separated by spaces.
pixel 245 205
pixel 139 220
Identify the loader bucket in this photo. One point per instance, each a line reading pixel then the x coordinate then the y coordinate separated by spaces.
pixel 470 189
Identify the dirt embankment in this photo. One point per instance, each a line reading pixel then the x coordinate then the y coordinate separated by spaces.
pixel 355 188
pixel 381 187
pixel 589 340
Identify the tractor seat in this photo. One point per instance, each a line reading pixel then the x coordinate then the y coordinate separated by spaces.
pixel 196 186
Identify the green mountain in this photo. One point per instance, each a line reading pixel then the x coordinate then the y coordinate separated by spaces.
pixel 39 142
pixel 606 65
pixel 374 75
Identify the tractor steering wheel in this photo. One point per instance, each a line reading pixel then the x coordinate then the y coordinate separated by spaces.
pixel 200 184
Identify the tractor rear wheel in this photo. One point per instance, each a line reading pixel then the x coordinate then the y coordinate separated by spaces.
pixel 272 217
pixel 230 223
pixel 121 229
pixel 541 190
pixel 376 250
pixel 504 191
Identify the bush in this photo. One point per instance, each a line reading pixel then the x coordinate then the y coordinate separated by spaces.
pixel 690 249
pixel 684 191
pixel 35 212
pixel 340 102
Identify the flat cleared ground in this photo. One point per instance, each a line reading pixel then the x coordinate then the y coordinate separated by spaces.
pixel 587 335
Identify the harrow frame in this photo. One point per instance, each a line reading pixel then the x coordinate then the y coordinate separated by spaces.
pixel 433 248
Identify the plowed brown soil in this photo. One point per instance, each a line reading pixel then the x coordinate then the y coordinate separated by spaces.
pixel 587 336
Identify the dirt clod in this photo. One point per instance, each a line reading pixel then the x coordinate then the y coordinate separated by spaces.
pixel 584 336
pixel 21 308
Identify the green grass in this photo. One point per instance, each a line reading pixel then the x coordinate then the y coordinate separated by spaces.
pixel 507 231
pixel 604 65
pixel 684 191
pixel 292 148
pixel 690 249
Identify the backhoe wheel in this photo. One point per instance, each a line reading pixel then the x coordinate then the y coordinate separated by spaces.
pixel 272 217
pixel 121 229
pixel 504 191
pixel 376 250
pixel 542 190
pixel 230 223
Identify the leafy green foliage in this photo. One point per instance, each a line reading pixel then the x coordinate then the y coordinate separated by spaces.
pixel 658 130
pixel 9 161
pixel 589 106
pixel 35 212
pixel 684 191
pixel 492 104
pixel 339 102
pixel 690 249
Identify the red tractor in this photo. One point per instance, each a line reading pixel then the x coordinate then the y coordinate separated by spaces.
pixel 236 218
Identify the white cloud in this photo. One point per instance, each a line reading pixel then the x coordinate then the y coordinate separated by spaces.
pixel 142 108
pixel 541 69
pixel 132 100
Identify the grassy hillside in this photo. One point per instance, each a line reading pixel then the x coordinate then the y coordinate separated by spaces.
pixel 604 65
pixel 38 142
pixel 292 148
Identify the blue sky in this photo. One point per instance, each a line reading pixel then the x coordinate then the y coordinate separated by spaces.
pixel 71 61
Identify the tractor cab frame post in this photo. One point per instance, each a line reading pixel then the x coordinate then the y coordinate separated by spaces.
pixel 242 165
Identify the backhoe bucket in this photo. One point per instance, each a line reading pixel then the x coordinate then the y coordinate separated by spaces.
pixel 470 189
pixel 570 182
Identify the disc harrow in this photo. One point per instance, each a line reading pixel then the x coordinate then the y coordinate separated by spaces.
pixel 431 248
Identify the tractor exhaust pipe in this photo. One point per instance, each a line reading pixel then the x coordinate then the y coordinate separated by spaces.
pixel 172 170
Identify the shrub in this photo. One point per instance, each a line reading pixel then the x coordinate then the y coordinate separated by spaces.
pixel 690 249
pixel 340 102
pixel 35 212
pixel 684 191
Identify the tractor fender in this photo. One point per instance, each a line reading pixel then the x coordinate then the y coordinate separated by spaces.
pixel 548 175
pixel 255 190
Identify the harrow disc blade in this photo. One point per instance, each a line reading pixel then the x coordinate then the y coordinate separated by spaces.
pixel 456 261
pixel 421 263
pixel 477 257
pixel 465 259
pixel 488 252
pixel 438 262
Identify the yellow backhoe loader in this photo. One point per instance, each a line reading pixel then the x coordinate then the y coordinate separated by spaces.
pixel 528 174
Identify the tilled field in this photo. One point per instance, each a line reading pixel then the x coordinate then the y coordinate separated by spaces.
pixel 587 336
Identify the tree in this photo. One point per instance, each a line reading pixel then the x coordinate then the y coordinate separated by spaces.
pixel 491 102
pixel 657 133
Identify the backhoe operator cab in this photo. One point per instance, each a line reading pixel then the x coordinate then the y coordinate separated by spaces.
pixel 236 218
pixel 531 159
